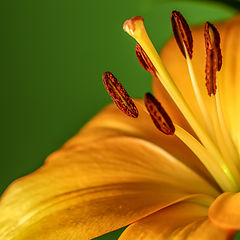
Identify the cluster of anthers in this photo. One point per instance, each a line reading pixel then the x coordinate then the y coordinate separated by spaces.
pixel 218 158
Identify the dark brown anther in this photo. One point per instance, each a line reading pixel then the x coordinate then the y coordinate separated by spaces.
pixel 119 95
pixel 159 116
pixel 144 60
pixel 213 56
pixel 182 33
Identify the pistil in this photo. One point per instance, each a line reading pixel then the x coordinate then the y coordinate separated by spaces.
pixel 135 28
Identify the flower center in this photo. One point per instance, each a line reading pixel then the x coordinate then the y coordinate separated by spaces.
pixel 214 146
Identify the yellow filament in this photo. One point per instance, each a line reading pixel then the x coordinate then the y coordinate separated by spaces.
pixel 220 172
pixel 223 146
pixel 226 135
pixel 198 95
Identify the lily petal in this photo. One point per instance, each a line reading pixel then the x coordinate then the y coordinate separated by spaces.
pixel 112 123
pixel 83 193
pixel 182 221
pixel 229 77
pixel 225 211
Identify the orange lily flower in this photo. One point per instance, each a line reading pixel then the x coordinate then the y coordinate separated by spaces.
pixel 120 171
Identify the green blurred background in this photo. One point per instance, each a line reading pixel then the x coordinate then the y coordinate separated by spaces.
pixel 53 53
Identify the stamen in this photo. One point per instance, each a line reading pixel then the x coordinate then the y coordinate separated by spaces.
pixel 182 33
pixel 183 37
pixel 119 95
pixel 159 116
pixel 144 60
pixel 213 56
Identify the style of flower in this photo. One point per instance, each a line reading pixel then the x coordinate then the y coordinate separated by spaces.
pixel 169 170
